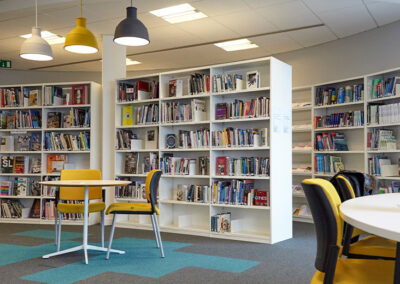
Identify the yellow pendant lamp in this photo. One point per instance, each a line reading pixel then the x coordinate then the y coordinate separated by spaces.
pixel 80 39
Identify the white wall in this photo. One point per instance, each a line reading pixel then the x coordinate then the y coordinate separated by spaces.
pixel 10 77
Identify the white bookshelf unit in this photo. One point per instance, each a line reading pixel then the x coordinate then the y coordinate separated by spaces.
pixel 83 158
pixel 264 224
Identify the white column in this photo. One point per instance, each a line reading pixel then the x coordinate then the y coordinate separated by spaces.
pixel 113 67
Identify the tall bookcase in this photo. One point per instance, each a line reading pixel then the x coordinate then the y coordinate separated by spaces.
pixel 302 142
pixel 265 224
pixel 88 158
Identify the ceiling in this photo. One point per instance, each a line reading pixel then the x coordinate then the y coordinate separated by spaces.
pixel 227 19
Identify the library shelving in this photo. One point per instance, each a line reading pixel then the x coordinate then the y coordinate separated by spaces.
pixel 196 114
pixel 56 117
pixel 302 145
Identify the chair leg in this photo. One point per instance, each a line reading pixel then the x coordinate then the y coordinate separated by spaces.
pixel 102 228
pixel 159 235
pixel 55 227
pixel 59 231
pixel 155 231
pixel 111 236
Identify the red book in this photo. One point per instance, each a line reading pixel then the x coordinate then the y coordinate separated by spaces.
pixel 142 86
pixel 221 166
pixel 78 95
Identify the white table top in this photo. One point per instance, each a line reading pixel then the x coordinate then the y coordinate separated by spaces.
pixel 80 183
pixel 377 214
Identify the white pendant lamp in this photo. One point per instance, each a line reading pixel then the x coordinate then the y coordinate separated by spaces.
pixel 36 48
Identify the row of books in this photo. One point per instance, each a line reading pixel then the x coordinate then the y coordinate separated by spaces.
pixel 49 191
pixel 342 119
pixel 73 118
pixel 347 94
pixel 66 95
pixel 242 109
pixel 381 139
pixel 193 193
pixel 13 97
pixel 221 223
pixel 182 111
pixel 330 141
pixel 127 140
pixel 238 192
pixel 134 115
pixel 137 91
pixel 20 119
pixel 20 165
pixel 171 165
pixel 29 142
pixel 385 87
pixel 131 163
pixel 243 166
pixel 328 164
pixel 227 82
pixel 199 83
pixel 384 114
pixel 135 190
pixel 20 186
pixel 393 187
pixel 194 138
pixel 48 210
pixel 236 137
pixel 10 208
pixel 54 141
pixel 375 164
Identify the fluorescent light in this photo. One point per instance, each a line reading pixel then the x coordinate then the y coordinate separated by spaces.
pixel 179 13
pixel 132 62
pixel 234 45
pixel 49 37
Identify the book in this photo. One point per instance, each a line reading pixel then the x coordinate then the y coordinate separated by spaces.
pixel 36 141
pixel 7 164
pixel 175 88
pixel 35 165
pixel 151 139
pixel 78 94
pixel 253 80
pixel 221 166
pixel 127 119
pixel 55 163
pixel 131 163
pixel 19 164
pixel 199 110
pixel 22 143
pixel 22 187
pixel 34 97
pixel 221 111
pixel 54 120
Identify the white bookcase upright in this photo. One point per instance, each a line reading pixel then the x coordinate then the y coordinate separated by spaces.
pixel 264 224
pixel 76 159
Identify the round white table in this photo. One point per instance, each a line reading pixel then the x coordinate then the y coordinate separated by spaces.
pixel 376 214
pixel 86 184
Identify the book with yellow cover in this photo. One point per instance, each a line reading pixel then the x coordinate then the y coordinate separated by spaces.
pixel 127 119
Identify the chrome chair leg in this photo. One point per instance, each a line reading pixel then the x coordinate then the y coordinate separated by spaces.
pixel 102 228
pixel 55 227
pixel 159 235
pixel 155 231
pixel 59 231
pixel 111 236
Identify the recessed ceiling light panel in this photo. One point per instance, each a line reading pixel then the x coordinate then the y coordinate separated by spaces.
pixel 234 45
pixel 49 37
pixel 179 13
pixel 132 62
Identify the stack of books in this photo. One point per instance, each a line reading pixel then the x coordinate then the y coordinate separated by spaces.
pixel 342 119
pixel 384 114
pixel 331 95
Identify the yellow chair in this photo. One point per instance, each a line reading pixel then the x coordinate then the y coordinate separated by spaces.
pixel 77 194
pixel 370 246
pixel 324 203
pixel 149 208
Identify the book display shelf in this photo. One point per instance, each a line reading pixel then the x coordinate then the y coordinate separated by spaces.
pixel 221 135
pixel 45 128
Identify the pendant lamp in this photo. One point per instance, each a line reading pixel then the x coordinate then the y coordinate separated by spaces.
pixel 80 39
pixel 131 31
pixel 35 47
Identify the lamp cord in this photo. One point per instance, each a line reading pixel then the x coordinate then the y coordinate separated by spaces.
pixel 81 8
pixel 36 14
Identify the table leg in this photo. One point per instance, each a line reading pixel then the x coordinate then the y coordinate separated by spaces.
pixel 85 223
pixel 397 265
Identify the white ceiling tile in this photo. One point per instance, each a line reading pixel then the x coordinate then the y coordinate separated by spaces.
pixel 276 43
pixel 289 15
pixel 208 30
pixel 313 36
pixel 348 21
pixel 220 7
pixel 319 6
pixel 250 23
pixel 384 12
pixel 263 3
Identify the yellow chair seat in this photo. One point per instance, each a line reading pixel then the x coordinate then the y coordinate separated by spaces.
pixel 79 208
pixel 374 246
pixel 359 271
pixel 130 207
pixel 357 232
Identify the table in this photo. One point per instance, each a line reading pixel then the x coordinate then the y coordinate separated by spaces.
pixel 86 184
pixel 378 215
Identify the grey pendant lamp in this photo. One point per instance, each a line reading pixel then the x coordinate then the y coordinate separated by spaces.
pixel 131 31
pixel 35 47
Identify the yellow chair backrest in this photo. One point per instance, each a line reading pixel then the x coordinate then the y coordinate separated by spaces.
pixel 334 200
pixel 349 186
pixel 148 182
pixel 78 193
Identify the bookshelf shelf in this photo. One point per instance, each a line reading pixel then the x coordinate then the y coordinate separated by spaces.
pixel 137 126
pixel 301 130
pixel 264 224
pixel 300 173
pixel 137 102
pixel 339 152
pixel 338 128
pixel 382 125
pixel 53 92
pixel 382 151
pixel 387 178
pixel 305 219
pixel 383 99
pixel 137 150
pixel 340 105
pixel 299 195
pixel 300 109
